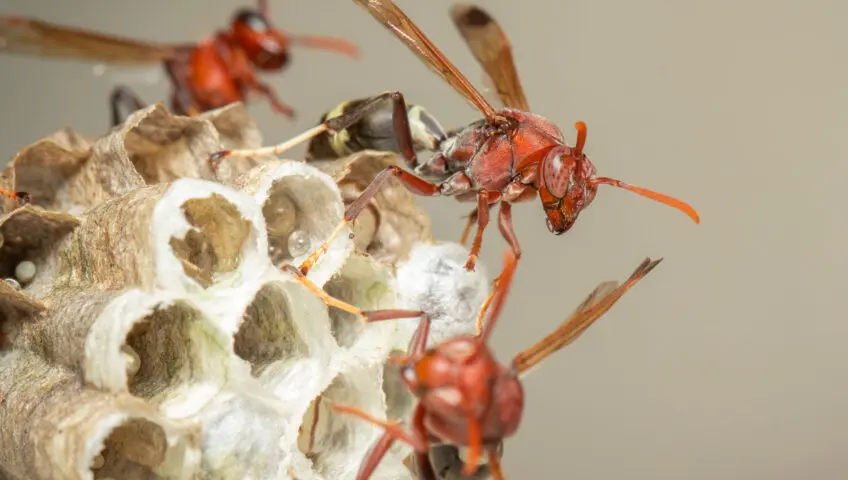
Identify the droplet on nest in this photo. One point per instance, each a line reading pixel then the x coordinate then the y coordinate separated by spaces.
pixel 14 283
pixel 25 271
pixel 133 361
pixel 97 462
pixel 299 243
pixel 280 215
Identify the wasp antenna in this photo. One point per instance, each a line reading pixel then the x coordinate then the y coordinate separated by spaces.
pixel 659 197
pixel 581 137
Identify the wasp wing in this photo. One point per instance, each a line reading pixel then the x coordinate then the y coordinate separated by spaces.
pixel 593 307
pixel 490 46
pixel 393 18
pixel 19 35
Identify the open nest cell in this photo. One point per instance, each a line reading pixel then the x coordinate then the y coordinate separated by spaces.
pixel 131 452
pixel 399 401
pixel 267 333
pixel 157 329
pixel 362 284
pixel 215 243
pixel 165 350
pixel 300 213
pixel 335 442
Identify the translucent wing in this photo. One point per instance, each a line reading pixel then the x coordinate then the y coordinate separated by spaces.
pixel 490 91
pixel 593 307
pixel 27 36
pixel 393 18
pixel 491 47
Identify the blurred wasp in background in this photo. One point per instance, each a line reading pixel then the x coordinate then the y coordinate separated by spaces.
pixel 214 72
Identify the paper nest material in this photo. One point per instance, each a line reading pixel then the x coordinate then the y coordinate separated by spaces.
pixel 158 337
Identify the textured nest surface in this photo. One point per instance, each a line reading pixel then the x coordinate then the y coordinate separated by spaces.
pixel 148 331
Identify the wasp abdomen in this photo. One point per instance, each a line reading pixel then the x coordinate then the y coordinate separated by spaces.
pixel 375 131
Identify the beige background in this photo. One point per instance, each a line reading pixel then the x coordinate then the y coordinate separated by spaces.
pixel 729 361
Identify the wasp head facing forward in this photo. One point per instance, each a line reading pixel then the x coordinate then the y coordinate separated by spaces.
pixel 461 378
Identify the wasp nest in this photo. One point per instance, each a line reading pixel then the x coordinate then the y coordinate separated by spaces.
pixel 147 329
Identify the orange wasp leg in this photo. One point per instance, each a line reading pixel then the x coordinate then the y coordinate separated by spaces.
pixel 484 200
pixel 272 98
pixel 495 464
pixel 368 316
pixel 393 432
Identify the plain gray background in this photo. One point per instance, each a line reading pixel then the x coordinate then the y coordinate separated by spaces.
pixel 728 361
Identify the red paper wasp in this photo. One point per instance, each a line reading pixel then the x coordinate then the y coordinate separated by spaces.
pixel 465 396
pixel 506 157
pixel 209 74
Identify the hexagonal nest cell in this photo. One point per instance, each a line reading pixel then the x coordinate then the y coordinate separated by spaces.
pixel 218 378
pixel 30 234
pixel 215 245
pixel 335 442
pixel 359 284
pixel 399 401
pixel 131 451
pixel 292 232
pixel 163 350
pixel 267 333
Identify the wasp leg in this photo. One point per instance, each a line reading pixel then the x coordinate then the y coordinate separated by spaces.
pixel 272 98
pixel 415 184
pixel 505 226
pixel 484 200
pixel 123 97
pixel 393 432
pixel 368 316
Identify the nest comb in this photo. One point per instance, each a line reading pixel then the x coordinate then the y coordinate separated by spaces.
pixel 147 330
